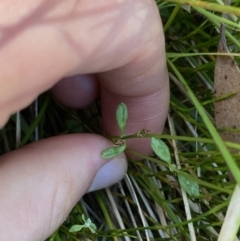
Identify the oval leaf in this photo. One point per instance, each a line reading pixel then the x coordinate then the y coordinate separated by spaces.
pixel 75 228
pixel 191 187
pixel 121 116
pixel 113 151
pixel 161 149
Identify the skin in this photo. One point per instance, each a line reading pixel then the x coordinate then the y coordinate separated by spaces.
pixel 112 47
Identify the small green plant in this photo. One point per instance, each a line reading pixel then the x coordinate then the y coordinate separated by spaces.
pixel 120 145
pixel 158 146
pixel 87 224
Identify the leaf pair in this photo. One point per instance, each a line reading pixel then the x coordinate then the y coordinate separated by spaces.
pixel 162 151
pixel 121 117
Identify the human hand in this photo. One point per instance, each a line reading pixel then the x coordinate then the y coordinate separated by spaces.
pixel 44 41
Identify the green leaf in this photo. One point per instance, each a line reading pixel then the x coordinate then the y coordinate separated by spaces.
pixel 161 149
pixel 191 187
pixel 113 151
pixel 121 116
pixel 76 228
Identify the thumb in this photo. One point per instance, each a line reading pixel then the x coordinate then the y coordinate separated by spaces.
pixel 42 182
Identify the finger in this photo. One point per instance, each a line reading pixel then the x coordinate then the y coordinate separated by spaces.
pixel 42 182
pixel 49 40
pixel 76 92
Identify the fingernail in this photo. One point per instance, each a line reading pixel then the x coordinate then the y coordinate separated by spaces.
pixel 109 174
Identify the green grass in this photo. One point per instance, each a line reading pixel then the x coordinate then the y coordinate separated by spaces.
pixel 149 203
